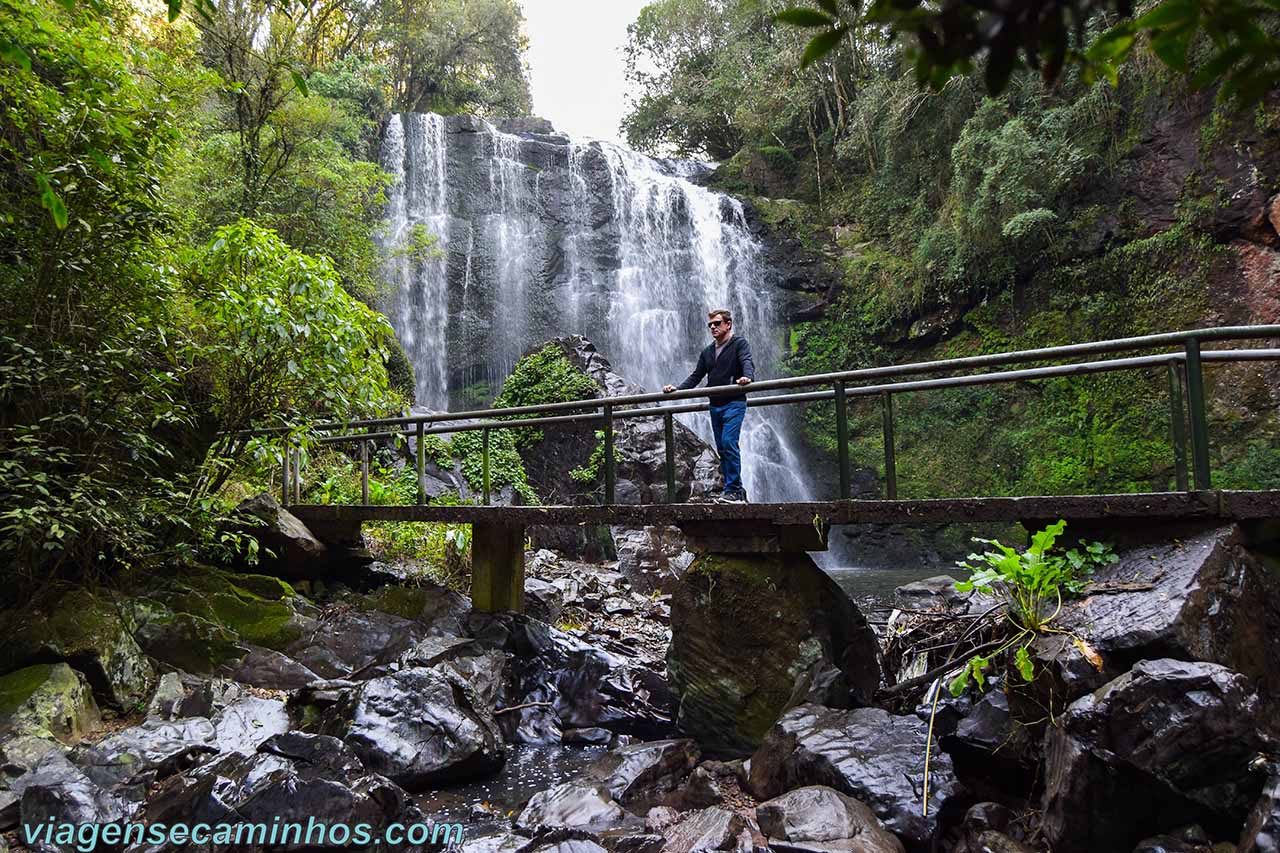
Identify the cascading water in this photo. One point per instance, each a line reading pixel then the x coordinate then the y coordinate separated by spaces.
pixel 544 237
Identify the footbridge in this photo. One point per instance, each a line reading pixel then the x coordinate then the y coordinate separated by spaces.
pixel 498 531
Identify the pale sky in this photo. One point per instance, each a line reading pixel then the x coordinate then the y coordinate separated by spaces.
pixel 576 63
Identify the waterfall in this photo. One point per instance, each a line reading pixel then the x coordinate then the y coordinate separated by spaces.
pixel 543 236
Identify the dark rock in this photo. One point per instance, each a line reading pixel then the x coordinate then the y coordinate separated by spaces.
pixel 243 725
pixel 293 779
pixel 658 818
pixel 745 630
pixel 650 843
pixel 993 752
pixel 866 753
pixel 56 793
pixel 287 547
pixel 580 805
pixel 947 712
pixel 1262 830
pixel 167 698
pixel 419 727
pixel 440 649
pixel 18 757
pixel 356 644
pixel 1189 839
pixel 584 685
pixel 48 700
pixel 821 814
pixel 709 829
pixel 271 669
pixel 940 593
pixel 652 557
pixel 700 791
pixel 139 756
pixel 90 633
pixel 442 611
pixel 1205 598
pixel 643 773
pixel 542 600
pixel 592 735
pixel 1165 743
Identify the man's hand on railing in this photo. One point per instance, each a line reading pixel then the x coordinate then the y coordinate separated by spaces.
pixel 667 389
pixel 744 380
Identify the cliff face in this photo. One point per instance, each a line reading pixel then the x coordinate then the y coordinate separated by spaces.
pixel 1171 223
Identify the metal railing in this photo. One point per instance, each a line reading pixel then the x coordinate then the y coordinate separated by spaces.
pixel 1184 364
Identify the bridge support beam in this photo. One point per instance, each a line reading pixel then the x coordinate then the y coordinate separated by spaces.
pixel 497 567
pixel 754 536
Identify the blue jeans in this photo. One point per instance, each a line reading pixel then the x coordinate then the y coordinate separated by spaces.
pixel 726 425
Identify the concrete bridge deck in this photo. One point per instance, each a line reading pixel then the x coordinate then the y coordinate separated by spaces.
pixel 497 545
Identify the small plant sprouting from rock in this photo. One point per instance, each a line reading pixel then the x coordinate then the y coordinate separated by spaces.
pixel 1032 585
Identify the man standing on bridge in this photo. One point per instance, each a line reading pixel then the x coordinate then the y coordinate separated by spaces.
pixel 726 361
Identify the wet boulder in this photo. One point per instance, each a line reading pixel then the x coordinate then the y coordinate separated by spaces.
pixel 576 804
pixel 643 773
pixel 583 685
pixel 819 814
pixel 356 644
pixel 137 757
pixel 700 791
pixel 1166 743
pixel 1205 597
pixel 270 669
pixel 89 632
pixel 47 701
pixel 438 609
pixel 709 829
pixel 286 546
pixel 57 793
pixel 19 755
pixel 748 633
pixel 1262 830
pixel 293 779
pixel 1188 839
pixel 245 724
pixel 867 753
pixel 419 727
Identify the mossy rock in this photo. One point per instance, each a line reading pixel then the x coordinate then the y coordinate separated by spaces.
pixel 191 643
pixel 750 633
pixel 254 608
pixel 91 632
pixel 48 700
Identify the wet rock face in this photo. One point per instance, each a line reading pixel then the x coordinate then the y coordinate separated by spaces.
pixel 355 643
pixel 644 773
pixel 749 635
pixel 1202 598
pixel 710 829
pixel 865 753
pixel 819 814
pixel 1262 830
pixel 293 778
pixel 582 685
pixel 574 804
pixel 1167 742
pixel 419 726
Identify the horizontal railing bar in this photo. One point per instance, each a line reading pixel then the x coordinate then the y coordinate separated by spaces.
pixel 1091 348
pixel 1076 369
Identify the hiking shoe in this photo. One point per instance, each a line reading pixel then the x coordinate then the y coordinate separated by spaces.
pixel 733 498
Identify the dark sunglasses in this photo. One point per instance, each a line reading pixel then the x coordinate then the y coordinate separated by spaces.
pixel 714 323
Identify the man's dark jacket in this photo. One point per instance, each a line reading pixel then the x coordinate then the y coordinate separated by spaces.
pixel 734 362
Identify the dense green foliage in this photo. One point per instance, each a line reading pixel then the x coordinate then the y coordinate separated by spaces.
pixel 957 224
pixel 543 376
pixel 189 211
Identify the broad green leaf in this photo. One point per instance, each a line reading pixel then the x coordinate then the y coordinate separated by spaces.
pixel 820 45
pixel 1171 46
pixel 175 9
pixel 1169 13
pixel 960 682
pixel 1113 45
pixel 1022 659
pixel 51 202
pixel 801 17
pixel 298 81
pixel 15 55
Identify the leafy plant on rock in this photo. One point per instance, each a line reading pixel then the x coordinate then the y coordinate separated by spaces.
pixel 1031 584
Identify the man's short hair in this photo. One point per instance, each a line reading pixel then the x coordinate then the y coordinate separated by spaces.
pixel 722 313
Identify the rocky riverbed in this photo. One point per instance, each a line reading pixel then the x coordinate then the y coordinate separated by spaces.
pixel 231 696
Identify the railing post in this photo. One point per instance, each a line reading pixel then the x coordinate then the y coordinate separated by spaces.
pixel 669 432
pixel 1195 406
pixel 842 440
pixel 610 467
pixel 364 471
pixel 484 455
pixel 297 475
pixel 284 474
pixel 890 463
pixel 1179 432
pixel 422 467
